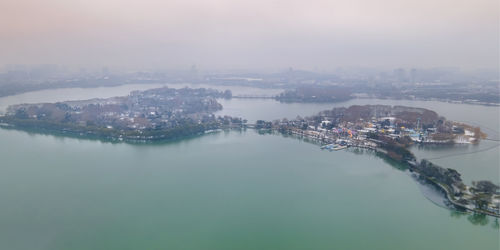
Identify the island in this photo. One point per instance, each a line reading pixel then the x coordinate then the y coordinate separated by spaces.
pixel 319 94
pixel 151 115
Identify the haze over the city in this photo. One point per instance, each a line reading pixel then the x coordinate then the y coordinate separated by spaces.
pixel 250 124
pixel 228 34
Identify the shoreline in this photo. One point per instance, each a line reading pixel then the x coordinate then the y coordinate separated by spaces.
pixel 89 135
pixel 410 166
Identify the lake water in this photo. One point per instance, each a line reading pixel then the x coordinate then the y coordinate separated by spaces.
pixel 231 190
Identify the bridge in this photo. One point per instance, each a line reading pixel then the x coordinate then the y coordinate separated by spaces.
pixel 253 97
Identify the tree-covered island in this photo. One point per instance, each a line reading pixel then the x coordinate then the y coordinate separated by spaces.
pixel 321 94
pixel 157 114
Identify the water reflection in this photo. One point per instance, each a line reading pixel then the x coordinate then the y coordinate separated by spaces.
pixel 457 214
pixel 478 219
pixel 495 224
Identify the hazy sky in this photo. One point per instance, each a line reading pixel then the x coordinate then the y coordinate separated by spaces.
pixel 251 34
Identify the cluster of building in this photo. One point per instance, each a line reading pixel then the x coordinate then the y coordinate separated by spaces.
pixel 356 125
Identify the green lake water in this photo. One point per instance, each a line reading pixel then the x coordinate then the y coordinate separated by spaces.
pixel 230 190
